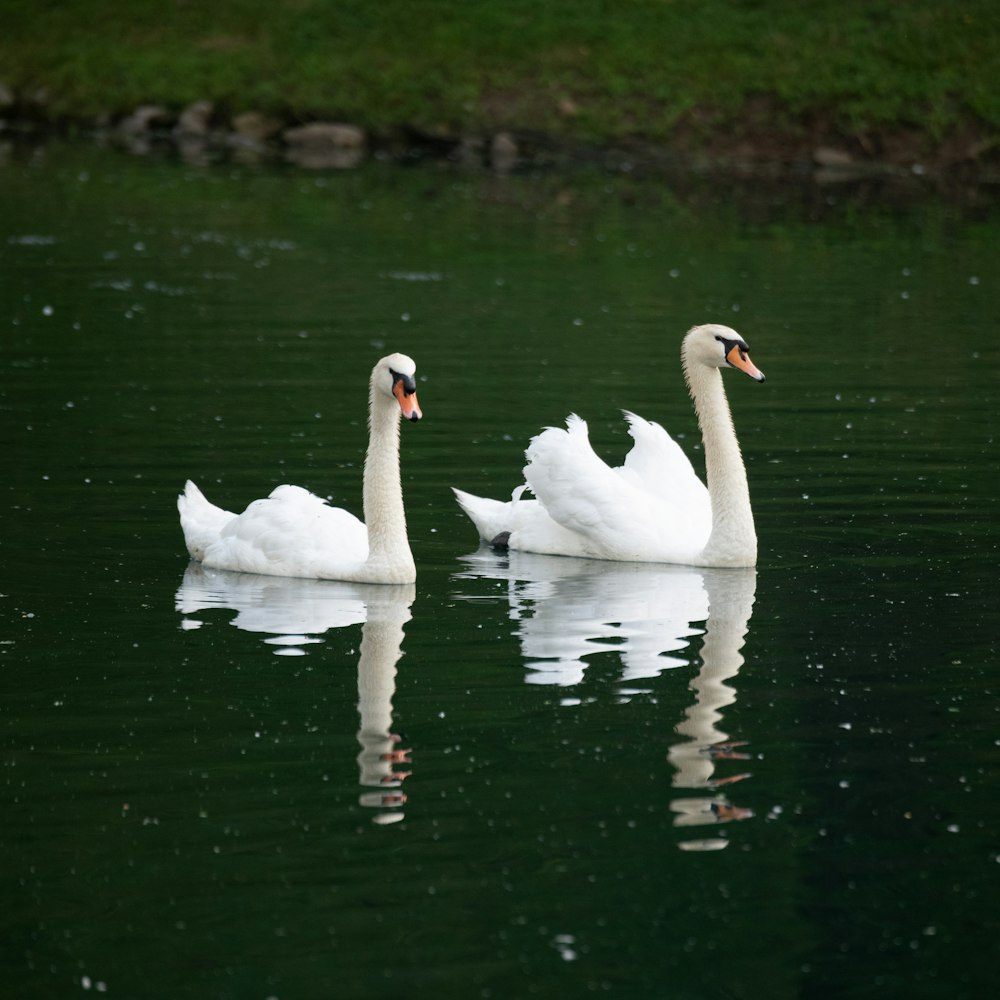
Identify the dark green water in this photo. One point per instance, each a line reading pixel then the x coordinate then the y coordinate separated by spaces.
pixel 193 809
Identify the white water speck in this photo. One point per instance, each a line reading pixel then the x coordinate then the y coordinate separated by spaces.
pixel 415 275
pixel 564 945
pixel 31 241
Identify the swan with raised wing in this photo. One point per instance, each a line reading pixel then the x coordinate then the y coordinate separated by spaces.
pixel 653 508
pixel 294 533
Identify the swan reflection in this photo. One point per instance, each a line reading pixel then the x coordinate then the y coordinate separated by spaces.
pixel 568 609
pixel 294 613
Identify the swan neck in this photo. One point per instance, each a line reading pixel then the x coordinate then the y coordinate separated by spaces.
pixel 383 492
pixel 733 541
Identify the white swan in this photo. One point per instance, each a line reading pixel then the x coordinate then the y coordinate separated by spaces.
pixel 294 533
pixel 653 508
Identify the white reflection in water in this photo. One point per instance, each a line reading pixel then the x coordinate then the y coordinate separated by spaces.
pixel 730 604
pixel 568 609
pixel 292 613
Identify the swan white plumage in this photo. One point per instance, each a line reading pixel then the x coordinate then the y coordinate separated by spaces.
pixel 294 533
pixel 654 508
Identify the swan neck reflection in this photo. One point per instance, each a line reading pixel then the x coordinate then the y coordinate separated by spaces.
pixel 730 601
pixel 381 648
pixel 730 606
pixel 294 614
pixel 567 611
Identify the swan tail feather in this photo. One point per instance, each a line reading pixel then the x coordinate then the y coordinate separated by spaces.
pixel 491 517
pixel 201 521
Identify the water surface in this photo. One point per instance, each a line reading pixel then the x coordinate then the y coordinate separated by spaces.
pixel 524 775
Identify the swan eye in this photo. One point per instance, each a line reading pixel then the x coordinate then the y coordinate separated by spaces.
pixel 728 345
pixel 409 385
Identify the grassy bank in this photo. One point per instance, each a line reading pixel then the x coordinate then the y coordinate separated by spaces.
pixel 601 71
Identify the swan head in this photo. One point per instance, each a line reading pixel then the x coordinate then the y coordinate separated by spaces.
pixel 716 346
pixel 394 378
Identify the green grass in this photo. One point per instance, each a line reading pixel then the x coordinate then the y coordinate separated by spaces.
pixel 625 67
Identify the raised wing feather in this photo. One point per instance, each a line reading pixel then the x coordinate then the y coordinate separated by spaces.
pixel 658 464
pixel 617 513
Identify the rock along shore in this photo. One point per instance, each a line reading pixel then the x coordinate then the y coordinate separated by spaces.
pixel 202 132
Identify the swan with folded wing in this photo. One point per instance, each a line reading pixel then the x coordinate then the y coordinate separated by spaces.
pixel 294 533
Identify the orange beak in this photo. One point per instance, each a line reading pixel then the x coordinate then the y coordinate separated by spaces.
pixel 408 402
pixel 739 358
